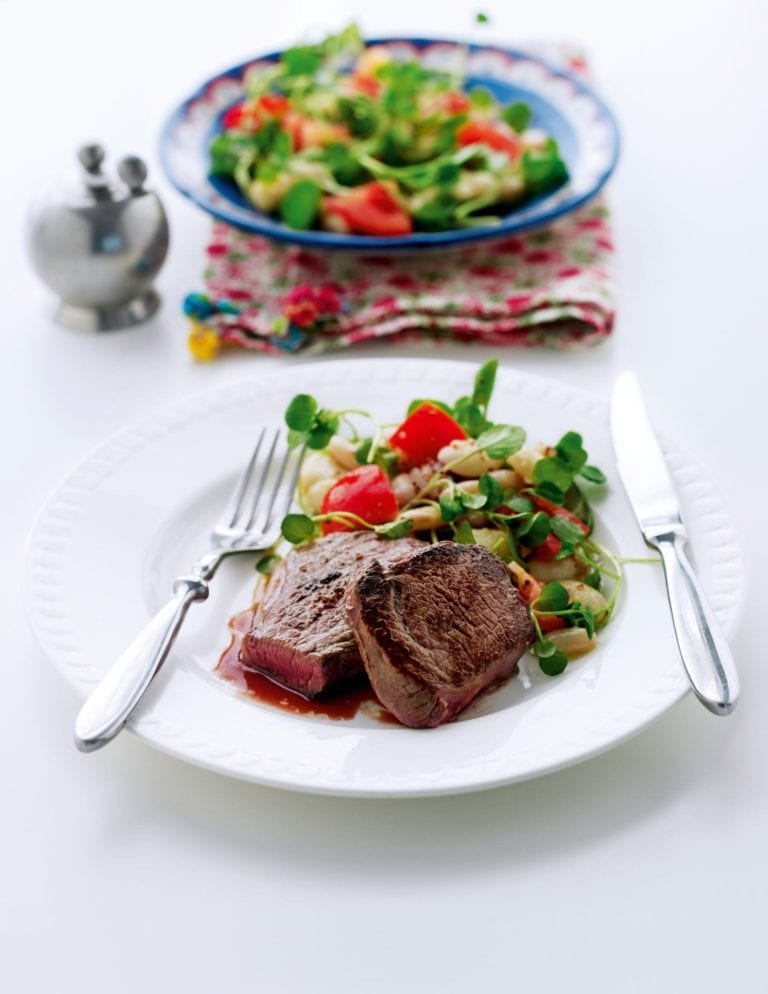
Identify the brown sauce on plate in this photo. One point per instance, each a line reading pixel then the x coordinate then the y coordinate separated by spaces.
pixel 340 706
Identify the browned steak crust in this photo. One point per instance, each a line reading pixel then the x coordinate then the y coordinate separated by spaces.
pixel 437 629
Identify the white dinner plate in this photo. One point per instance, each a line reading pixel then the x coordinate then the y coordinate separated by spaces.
pixel 137 511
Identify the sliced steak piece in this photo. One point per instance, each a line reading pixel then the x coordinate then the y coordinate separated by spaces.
pixel 300 635
pixel 437 629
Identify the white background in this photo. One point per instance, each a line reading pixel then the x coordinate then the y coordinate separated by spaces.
pixel 642 870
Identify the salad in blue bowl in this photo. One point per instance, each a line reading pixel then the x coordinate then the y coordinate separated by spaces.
pixel 396 143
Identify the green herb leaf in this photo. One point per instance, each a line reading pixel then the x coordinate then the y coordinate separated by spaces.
pixel 472 502
pixel 464 534
pixel 395 529
pixel 520 505
pixel 501 441
pixel 300 413
pixel 553 597
pixel 593 579
pixel 482 18
pixel 450 506
pixel 534 531
pixel 571 451
pixel 552 470
pixel 363 451
pixel 469 416
pixel 325 427
pixel 300 205
pixel 551 493
pixel 302 60
pixel 566 530
pixel 544 648
pixel 267 564
pixel 492 490
pixel 298 528
pixel 517 116
pixel 482 98
pixel 485 378
pixel 554 664
pixel 593 474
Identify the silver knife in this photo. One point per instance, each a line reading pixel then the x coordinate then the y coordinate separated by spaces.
pixel 644 473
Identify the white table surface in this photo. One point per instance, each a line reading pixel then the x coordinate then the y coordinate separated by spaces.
pixel 642 870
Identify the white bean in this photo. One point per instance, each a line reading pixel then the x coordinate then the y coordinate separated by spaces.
pixel 314 495
pixel 317 466
pixel 550 570
pixel 572 641
pixel 472 462
pixel 586 596
pixel 343 451
pixel 424 518
pixel 524 461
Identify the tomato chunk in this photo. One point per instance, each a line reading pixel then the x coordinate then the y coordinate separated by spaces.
pixel 370 209
pixel 424 432
pixel 242 117
pixel 561 512
pixel 492 135
pixel 366 492
pixel 548 549
pixel 274 104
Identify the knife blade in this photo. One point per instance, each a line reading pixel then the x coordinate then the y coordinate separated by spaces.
pixel 644 472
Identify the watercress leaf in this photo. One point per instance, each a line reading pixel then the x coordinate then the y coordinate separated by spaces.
pixel 550 492
pixel 554 471
pixel 297 528
pixel 302 60
pixel 492 490
pixel 535 530
pixel 300 413
pixel 464 534
pixel 482 18
pixel 593 474
pixel 553 597
pixel 472 502
pixel 544 648
pixel 363 451
pixel 566 530
pixel 571 451
pixel 266 565
pixel 584 617
pixel 322 433
pixel 450 506
pixel 520 505
pixel 387 460
pixel 517 116
pixel 300 205
pixel 555 664
pixel 296 438
pixel 485 379
pixel 395 529
pixel 482 98
pixel 501 441
pixel 469 416
pixel 593 579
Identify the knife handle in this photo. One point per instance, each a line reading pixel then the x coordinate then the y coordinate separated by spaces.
pixel 706 656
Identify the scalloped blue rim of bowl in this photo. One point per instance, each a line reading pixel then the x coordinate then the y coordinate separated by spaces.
pixel 270 228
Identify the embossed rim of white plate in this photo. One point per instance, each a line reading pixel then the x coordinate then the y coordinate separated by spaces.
pixel 599 708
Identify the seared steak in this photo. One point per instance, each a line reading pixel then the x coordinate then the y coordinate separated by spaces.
pixel 301 636
pixel 437 629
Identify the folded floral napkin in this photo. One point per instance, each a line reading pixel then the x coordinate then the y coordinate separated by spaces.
pixel 550 287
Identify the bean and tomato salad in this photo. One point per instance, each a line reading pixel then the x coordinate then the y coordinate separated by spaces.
pixel 449 472
pixel 344 137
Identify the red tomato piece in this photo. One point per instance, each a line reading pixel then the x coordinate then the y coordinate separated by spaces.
pixel 370 209
pixel 424 432
pixel 548 549
pixel 454 103
pixel 274 104
pixel 561 512
pixel 492 135
pixel 366 492
pixel 549 622
pixel 242 117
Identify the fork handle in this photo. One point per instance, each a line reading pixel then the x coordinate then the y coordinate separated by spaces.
pixel 112 702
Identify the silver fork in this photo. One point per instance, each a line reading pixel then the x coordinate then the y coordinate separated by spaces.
pixel 250 523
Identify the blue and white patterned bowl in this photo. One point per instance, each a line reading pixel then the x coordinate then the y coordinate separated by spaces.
pixel 562 105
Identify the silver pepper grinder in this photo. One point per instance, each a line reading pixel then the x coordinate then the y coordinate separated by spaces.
pixel 99 242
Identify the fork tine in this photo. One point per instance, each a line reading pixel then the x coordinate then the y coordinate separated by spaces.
pixel 248 513
pixel 234 505
pixel 266 520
